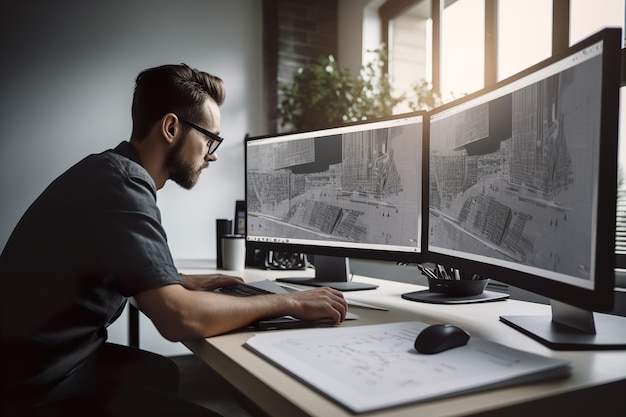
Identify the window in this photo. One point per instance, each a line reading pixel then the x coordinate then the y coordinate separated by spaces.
pixel 524 35
pixel 462 47
pixel 408 31
pixel 410 48
pixel 587 17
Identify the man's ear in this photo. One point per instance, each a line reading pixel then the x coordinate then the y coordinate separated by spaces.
pixel 170 127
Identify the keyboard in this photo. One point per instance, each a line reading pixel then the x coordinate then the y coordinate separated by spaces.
pixel 244 290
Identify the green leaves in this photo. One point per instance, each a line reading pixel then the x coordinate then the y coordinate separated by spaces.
pixel 323 95
pixel 319 96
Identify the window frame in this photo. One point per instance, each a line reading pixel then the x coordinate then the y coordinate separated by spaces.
pixel 393 8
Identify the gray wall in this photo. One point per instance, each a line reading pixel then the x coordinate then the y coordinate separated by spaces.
pixel 66 82
pixel 66 87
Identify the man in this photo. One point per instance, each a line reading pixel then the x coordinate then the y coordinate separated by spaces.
pixel 94 237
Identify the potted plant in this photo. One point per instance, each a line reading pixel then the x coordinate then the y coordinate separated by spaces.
pixel 323 95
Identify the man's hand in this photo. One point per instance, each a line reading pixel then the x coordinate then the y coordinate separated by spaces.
pixel 318 303
pixel 209 282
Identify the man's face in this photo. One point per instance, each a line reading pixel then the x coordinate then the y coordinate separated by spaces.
pixel 186 160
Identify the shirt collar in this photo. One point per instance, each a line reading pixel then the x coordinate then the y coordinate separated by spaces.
pixel 129 151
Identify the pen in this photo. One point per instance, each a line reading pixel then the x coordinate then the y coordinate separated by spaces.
pixel 427 272
pixel 441 272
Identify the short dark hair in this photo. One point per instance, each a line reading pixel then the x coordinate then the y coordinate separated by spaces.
pixel 172 88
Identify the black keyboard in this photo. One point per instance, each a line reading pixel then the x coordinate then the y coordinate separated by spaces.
pixel 243 290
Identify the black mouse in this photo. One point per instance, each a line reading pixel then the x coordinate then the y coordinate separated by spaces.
pixel 439 337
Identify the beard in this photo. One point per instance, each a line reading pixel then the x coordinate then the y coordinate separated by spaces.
pixel 181 172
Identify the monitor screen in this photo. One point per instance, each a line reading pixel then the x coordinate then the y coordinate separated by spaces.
pixel 350 191
pixel 523 177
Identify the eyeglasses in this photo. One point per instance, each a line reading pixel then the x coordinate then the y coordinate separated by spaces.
pixel 215 141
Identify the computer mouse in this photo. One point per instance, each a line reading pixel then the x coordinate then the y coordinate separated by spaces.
pixel 439 337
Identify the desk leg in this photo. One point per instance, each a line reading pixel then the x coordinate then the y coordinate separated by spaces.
pixel 133 326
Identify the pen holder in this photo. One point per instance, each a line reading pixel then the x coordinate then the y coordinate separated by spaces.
pixel 458 287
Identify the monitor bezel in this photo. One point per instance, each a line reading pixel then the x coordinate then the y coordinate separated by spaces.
pixel 599 298
pixel 342 251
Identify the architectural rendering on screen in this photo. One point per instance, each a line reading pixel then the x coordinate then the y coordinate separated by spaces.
pixel 512 176
pixel 356 187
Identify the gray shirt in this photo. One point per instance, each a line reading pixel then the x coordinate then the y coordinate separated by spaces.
pixel 90 240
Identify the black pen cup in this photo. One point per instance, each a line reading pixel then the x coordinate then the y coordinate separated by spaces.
pixel 458 287
pixel 222 227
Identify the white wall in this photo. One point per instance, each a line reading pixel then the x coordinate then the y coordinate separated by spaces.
pixel 66 83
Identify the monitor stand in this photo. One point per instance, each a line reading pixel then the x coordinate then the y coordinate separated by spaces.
pixel 572 328
pixel 333 272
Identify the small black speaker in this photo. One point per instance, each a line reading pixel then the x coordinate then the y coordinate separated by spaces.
pixel 285 260
pixel 256 258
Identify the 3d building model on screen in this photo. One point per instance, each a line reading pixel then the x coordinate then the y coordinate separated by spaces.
pixel 355 186
pixel 511 178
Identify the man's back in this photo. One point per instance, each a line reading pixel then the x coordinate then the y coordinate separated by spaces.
pixel 72 260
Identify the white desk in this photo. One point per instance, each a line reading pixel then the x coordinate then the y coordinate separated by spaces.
pixel 596 387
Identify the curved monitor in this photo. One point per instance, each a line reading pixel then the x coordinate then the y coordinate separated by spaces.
pixel 523 180
pixel 351 191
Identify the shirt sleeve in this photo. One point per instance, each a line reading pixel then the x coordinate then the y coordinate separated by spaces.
pixel 123 225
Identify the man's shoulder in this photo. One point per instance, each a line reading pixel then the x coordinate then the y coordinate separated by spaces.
pixel 114 166
pixel 124 164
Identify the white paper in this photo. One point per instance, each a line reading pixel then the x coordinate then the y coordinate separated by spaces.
pixel 367 368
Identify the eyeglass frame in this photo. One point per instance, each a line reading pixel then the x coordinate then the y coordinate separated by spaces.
pixel 211 135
